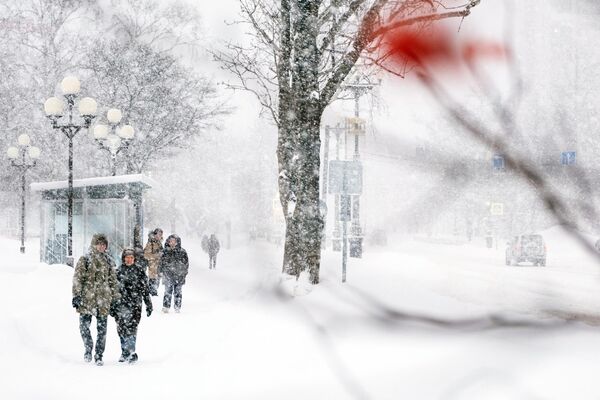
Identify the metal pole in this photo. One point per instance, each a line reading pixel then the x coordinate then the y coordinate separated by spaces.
pixel 344 251
pixel 23 170
pixel 70 206
pixel 113 168
pixel 356 115
pixel 344 228
pixel 336 224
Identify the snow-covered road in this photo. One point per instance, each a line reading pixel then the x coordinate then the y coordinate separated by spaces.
pixel 416 320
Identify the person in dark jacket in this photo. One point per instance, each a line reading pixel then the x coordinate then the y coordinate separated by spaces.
pixel 213 248
pixel 173 268
pixel 133 288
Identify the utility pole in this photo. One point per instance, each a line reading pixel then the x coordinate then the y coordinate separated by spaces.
pixel 337 234
pixel 357 127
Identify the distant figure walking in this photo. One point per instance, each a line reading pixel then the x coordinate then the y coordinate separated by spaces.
pixel 173 268
pixel 95 289
pixel 152 253
pixel 213 248
pixel 127 311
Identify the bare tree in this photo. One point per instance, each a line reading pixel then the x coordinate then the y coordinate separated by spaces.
pixel 167 103
pixel 300 53
pixel 40 42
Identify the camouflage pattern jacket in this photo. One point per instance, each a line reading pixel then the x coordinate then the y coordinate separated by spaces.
pixel 95 280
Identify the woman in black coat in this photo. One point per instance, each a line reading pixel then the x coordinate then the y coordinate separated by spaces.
pixel 133 287
pixel 173 268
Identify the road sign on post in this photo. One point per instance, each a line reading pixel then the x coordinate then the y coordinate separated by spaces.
pixel 498 162
pixel 345 180
pixel 567 157
pixel 345 177
pixel 355 126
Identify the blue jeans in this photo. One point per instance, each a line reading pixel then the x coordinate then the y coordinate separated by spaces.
pixel 172 288
pixel 85 321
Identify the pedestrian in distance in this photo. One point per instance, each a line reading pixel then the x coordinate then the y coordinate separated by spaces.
pixel 152 253
pixel 213 248
pixel 173 268
pixel 127 311
pixel 94 292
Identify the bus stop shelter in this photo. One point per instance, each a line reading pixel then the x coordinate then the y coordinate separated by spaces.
pixel 109 205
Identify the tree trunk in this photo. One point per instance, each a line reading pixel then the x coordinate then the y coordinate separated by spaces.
pixel 305 225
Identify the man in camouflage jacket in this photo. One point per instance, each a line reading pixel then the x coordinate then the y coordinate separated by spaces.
pixel 95 290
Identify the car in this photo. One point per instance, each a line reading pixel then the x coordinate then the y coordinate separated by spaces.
pixel 526 248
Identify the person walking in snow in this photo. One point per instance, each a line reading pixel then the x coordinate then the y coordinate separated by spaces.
pixel 127 311
pixel 152 253
pixel 213 248
pixel 173 268
pixel 94 291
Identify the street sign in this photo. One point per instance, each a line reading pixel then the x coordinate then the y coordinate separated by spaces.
pixel 567 158
pixel 355 125
pixel 345 177
pixel 497 208
pixel 498 162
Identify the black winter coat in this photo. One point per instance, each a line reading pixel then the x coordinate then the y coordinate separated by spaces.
pixel 174 262
pixel 133 287
pixel 213 246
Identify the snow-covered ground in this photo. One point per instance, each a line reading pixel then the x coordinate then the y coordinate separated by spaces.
pixel 416 320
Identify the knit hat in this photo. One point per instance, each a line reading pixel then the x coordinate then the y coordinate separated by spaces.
pixel 127 252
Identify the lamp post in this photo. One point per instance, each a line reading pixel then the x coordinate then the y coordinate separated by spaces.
pixel 14 154
pixel 117 140
pixel 54 108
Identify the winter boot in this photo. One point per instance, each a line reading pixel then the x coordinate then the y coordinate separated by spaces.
pixel 178 310
pixel 124 355
pixel 165 310
pixel 87 357
pixel 132 358
pixel 98 360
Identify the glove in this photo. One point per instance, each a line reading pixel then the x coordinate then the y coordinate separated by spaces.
pixel 76 302
pixel 148 311
pixel 113 310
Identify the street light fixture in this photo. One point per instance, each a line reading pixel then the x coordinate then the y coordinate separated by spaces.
pixel 25 163
pixel 114 138
pixel 54 108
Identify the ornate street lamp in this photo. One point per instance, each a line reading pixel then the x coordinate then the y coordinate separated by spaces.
pixel 114 138
pixel 54 108
pixel 18 159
